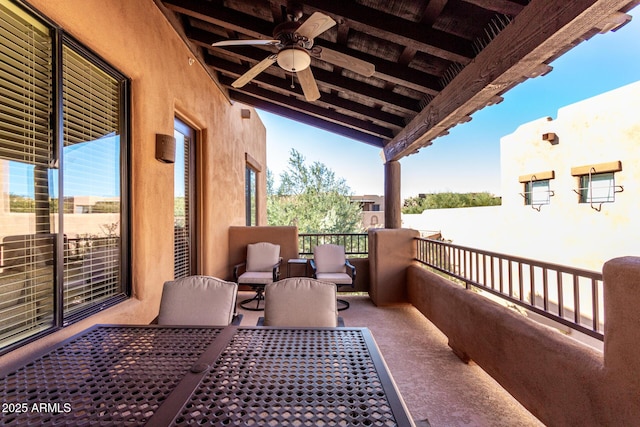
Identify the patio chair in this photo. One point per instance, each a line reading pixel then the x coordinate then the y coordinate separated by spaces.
pixel 199 301
pixel 330 264
pixel 262 267
pixel 300 302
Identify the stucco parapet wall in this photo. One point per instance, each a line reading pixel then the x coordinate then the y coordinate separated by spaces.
pixel 561 381
pixel 391 251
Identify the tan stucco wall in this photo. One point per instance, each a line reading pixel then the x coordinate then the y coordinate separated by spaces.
pixel 561 381
pixel 135 38
pixel 390 251
pixel 597 130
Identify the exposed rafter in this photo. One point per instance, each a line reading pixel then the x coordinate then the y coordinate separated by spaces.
pixel 543 31
pixel 436 61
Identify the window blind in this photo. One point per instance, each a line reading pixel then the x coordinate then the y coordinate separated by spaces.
pixel 26 247
pixel 91 177
pixel 25 89
pixel 251 196
pixel 182 207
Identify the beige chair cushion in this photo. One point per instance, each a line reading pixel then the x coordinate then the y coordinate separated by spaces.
pixel 197 300
pixel 257 277
pixel 337 278
pixel 329 259
pixel 300 302
pixel 262 256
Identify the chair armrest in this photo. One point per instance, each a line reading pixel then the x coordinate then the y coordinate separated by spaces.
pixel 276 270
pixel 353 270
pixel 312 263
pixel 260 321
pixel 236 270
pixel 340 322
pixel 237 318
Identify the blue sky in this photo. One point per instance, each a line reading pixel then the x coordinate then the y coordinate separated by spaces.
pixel 468 159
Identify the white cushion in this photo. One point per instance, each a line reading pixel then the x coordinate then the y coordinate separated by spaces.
pixel 197 300
pixel 257 277
pixel 329 258
pixel 300 302
pixel 337 278
pixel 262 256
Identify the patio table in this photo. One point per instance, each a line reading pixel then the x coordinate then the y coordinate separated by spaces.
pixel 169 375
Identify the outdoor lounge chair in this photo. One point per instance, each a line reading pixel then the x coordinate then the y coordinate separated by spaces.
pixel 330 264
pixel 199 301
pixel 262 267
pixel 300 302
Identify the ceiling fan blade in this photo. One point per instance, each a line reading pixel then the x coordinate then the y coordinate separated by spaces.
pixel 253 72
pixel 317 24
pixel 244 42
pixel 356 65
pixel 308 84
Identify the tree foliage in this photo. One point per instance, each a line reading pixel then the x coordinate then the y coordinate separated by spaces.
pixel 312 198
pixel 415 205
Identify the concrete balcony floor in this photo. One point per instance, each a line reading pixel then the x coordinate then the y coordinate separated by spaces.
pixel 438 388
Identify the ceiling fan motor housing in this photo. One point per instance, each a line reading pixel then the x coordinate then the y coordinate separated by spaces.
pixel 286 32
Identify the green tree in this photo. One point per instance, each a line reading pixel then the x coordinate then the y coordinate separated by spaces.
pixel 21 204
pixel 446 200
pixel 312 198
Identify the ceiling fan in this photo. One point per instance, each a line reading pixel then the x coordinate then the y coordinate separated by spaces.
pixel 294 40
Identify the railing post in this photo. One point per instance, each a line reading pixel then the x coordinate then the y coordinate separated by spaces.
pixel 622 332
pixel 390 254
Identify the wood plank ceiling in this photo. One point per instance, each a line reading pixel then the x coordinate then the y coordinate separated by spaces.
pixel 436 61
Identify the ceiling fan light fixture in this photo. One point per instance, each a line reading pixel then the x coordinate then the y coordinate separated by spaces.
pixel 293 59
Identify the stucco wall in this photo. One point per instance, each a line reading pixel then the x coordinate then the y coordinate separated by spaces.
pixel 601 129
pixel 561 381
pixel 390 251
pixel 135 38
pixel 597 130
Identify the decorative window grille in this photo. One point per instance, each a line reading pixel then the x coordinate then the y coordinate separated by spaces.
pixel 597 184
pixel 537 189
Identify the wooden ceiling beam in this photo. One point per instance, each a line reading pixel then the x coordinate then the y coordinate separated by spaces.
pixel 432 10
pixel 543 30
pixel 248 25
pixel 385 69
pixel 314 110
pixel 327 100
pixel 406 105
pixel 394 29
pixel 390 71
pixel 301 117
pixel 254 55
pixel 505 7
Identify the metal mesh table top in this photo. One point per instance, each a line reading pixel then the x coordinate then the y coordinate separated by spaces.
pixel 136 375
pixel 291 377
pixel 107 376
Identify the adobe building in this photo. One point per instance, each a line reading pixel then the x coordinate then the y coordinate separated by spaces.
pixel 550 209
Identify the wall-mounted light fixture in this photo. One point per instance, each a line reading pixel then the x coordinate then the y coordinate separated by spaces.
pixel 165 148
pixel 245 113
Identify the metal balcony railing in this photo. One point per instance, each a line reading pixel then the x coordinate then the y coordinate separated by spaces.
pixel 570 296
pixel 355 244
